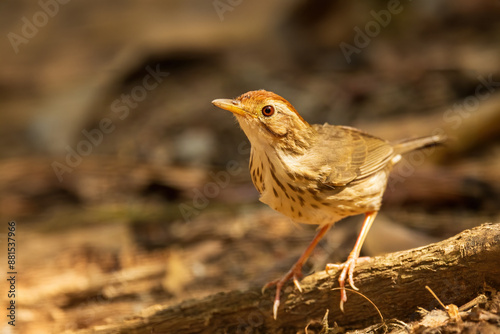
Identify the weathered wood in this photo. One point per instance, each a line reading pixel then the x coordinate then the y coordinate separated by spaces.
pixel 456 269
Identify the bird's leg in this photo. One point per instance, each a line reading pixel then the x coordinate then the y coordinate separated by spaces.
pixel 296 271
pixel 348 266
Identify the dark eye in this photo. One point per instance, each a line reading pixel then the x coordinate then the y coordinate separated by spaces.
pixel 268 111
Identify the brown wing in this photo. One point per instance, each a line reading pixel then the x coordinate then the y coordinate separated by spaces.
pixel 349 154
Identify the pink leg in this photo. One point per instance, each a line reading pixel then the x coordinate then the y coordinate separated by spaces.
pixel 348 266
pixel 296 271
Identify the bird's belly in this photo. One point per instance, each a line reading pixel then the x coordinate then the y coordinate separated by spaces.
pixel 306 204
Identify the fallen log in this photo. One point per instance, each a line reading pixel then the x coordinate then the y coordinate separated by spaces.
pixel 456 269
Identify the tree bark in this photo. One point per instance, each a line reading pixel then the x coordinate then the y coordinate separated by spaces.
pixel 456 269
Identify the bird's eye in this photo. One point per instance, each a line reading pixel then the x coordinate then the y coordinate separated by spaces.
pixel 268 111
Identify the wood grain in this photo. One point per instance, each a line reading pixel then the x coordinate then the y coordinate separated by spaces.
pixel 456 269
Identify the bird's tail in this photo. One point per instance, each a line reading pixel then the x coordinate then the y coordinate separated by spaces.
pixel 408 145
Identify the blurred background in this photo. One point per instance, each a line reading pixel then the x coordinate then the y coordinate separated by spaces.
pixel 129 189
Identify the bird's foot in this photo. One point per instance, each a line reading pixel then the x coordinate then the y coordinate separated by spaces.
pixel 294 273
pixel 347 271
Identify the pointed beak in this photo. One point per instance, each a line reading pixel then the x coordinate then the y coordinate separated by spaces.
pixel 233 106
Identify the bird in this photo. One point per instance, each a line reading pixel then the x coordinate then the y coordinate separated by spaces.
pixel 316 174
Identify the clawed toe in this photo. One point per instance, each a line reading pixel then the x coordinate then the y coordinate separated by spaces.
pixel 296 271
pixel 347 272
pixel 295 274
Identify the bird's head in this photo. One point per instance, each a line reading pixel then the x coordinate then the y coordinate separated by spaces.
pixel 266 117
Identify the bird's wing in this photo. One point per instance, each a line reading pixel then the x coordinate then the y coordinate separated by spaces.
pixel 347 154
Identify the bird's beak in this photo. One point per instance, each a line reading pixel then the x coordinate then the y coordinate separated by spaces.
pixel 233 106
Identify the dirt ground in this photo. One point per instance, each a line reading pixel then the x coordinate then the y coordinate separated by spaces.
pixel 129 190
